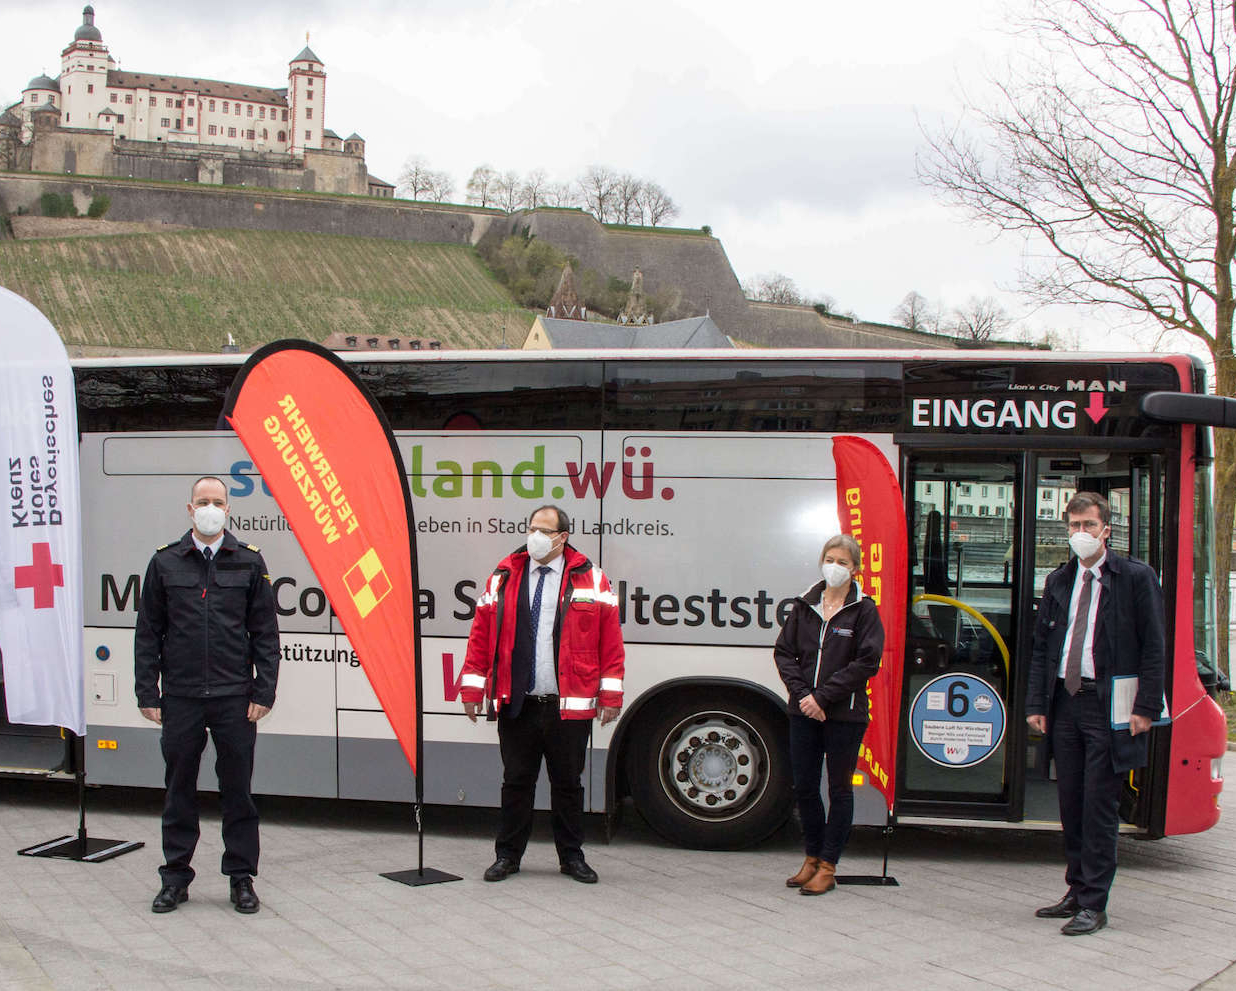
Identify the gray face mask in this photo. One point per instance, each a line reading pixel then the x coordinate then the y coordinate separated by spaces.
pixel 539 545
pixel 835 575
pixel 209 520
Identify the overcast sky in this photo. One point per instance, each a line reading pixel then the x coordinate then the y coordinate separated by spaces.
pixel 789 128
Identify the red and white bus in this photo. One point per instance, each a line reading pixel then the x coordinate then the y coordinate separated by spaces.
pixel 703 485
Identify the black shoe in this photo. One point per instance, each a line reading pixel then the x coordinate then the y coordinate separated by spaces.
pixel 501 869
pixel 243 896
pixel 579 871
pixel 1066 908
pixel 1087 920
pixel 169 896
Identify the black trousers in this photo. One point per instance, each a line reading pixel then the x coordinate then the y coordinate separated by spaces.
pixel 540 732
pixel 1089 793
pixel 812 745
pixel 185 722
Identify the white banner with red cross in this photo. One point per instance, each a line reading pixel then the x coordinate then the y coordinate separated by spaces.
pixel 41 538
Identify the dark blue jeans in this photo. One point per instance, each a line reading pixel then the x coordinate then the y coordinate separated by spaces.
pixel 812 745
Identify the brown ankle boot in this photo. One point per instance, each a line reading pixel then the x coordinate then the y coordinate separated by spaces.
pixel 805 873
pixel 824 880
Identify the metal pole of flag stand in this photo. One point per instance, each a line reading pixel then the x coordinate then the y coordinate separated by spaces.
pixel 881 880
pixel 420 875
pixel 81 848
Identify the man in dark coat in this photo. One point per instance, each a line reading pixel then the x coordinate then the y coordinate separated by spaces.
pixel 206 657
pixel 1096 685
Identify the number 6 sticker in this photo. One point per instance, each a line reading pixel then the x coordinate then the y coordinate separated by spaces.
pixel 957 720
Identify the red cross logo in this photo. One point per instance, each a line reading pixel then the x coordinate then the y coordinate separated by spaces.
pixel 41 575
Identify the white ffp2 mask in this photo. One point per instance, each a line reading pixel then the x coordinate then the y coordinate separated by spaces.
pixel 835 575
pixel 209 520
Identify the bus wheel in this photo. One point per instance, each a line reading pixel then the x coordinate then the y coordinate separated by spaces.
pixel 711 773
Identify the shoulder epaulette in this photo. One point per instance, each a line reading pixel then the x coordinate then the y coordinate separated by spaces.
pixel 162 547
pixel 255 548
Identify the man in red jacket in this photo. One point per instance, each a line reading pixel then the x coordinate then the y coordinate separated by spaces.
pixel 546 650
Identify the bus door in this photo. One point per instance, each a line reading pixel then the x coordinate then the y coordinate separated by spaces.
pixel 961 691
pixel 1134 486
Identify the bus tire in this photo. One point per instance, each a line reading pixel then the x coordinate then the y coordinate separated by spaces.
pixel 711 771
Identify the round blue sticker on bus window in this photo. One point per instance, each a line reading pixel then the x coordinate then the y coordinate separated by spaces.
pixel 957 720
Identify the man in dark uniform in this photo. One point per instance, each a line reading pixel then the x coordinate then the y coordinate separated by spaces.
pixel 207 631
pixel 1096 685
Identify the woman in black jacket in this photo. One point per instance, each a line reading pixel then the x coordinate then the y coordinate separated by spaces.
pixel 830 645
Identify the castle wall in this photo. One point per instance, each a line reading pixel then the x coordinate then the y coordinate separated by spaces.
pixel 194 205
pixel 695 264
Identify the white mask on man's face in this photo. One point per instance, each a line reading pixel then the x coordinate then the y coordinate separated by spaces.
pixel 208 520
pixel 1085 545
pixel 540 545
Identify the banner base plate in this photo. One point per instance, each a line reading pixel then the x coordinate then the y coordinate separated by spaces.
pixel 417 878
pixel 877 880
pixel 92 851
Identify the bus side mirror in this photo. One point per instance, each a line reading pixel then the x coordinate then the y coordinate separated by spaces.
pixel 1183 407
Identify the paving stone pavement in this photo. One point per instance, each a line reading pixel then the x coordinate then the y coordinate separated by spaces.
pixel 660 918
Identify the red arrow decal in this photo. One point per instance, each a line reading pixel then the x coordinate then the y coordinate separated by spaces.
pixel 1095 408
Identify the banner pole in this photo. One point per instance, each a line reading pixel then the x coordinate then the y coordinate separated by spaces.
pixel 80 847
pixel 79 759
pixel 881 880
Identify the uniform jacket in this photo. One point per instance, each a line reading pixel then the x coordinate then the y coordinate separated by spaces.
pixel 832 660
pixel 1128 640
pixel 588 650
pixel 206 628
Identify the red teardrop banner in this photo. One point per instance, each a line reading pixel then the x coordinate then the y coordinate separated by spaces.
pixel 327 454
pixel 872 512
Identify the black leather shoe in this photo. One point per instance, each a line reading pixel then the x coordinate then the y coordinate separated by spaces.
pixel 579 871
pixel 1088 920
pixel 1066 908
pixel 169 896
pixel 501 869
pixel 243 896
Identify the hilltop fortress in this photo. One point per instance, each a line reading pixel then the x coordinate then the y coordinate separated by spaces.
pixel 160 147
pixel 94 119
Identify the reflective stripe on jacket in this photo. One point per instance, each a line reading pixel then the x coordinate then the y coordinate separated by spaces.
pixel 587 638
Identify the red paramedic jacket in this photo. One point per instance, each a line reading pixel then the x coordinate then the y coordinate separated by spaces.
pixel 587 638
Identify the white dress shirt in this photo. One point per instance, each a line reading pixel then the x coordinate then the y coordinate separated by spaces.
pixel 213 545
pixel 1087 654
pixel 545 678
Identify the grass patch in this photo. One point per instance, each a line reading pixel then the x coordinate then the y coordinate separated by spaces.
pixel 186 290
pixel 1228 701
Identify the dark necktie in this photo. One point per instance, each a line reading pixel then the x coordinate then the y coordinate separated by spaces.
pixel 1072 665
pixel 207 553
pixel 542 571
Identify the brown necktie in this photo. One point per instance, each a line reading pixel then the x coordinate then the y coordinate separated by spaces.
pixel 1072 665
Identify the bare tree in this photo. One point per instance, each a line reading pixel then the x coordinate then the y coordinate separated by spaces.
pixel 597 187
pixel 533 191
pixel 627 206
pixel 481 185
pixel 656 204
pixel 979 319
pixel 773 288
pixel 506 191
pixel 914 312
pixel 560 194
pixel 1110 147
pixel 416 178
pixel 441 186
